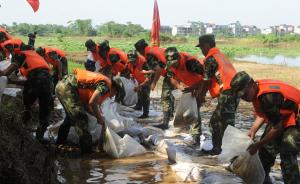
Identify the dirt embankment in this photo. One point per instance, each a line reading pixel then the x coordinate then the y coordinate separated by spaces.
pixel 22 159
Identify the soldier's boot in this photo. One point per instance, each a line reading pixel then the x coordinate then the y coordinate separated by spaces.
pixel 217 147
pixel 196 140
pixel 40 133
pixel 268 179
pixel 86 143
pixel 165 124
pixel 145 110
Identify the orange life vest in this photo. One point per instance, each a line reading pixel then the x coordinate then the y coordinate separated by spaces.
pixel 85 79
pixel 136 71
pixel 33 61
pixel 49 59
pixel 159 53
pixel 287 91
pixel 182 74
pixel 98 58
pixel 119 66
pixel 6 33
pixel 225 70
pixel 16 45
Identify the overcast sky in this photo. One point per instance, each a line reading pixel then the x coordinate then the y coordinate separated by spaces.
pixel 262 13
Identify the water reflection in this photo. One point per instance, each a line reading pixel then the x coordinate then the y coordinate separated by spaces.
pixel 278 59
pixel 98 168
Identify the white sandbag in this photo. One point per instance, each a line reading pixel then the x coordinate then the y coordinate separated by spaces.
pixel 11 91
pixel 94 129
pixel 177 93
pixel 118 147
pixel 220 178
pixel 131 97
pixel 186 112
pixel 3 84
pixel 235 143
pixel 188 172
pixel 249 168
pixel 4 64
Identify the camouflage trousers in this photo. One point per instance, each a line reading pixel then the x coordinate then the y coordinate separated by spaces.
pixel 288 146
pixel 223 116
pixel 167 99
pixel 144 99
pixel 75 112
pixel 195 129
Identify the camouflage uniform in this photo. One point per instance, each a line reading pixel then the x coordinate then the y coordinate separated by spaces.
pixel 167 99
pixel 64 63
pixel 37 86
pixel 287 145
pixel 224 113
pixel 67 93
pixel 193 67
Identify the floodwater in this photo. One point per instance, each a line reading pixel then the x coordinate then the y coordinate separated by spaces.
pixel 277 60
pixel 150 167
pixel 98 168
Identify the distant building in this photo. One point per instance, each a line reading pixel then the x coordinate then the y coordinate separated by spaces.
pixel 181 31
pixel 236 29
pixel 267 31
pixel 297 30
pixel 166 30
pixel 250 30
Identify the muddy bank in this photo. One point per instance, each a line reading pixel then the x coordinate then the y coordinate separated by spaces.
pixel 22 159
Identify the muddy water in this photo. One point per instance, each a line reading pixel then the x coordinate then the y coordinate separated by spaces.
pixel 148 168
pixel 98 168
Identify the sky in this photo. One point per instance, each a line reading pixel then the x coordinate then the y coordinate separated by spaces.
pixel 262 13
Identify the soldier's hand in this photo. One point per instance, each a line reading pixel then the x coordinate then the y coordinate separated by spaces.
pixel 251 134
pixel 253 148
pixel 153 86
pixel 137 88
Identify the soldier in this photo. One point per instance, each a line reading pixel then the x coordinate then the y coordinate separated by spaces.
pixel 80 92
pixel 31 39
pixel 37 86
pixel 277 104
pixel 136 65
pixel 4 35
pixel 57 59
pixel 156 60
pixel 218 72
pixel 95 58
pixel 187 69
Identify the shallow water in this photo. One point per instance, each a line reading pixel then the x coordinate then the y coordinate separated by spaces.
pixel 278 60
pixel 98 168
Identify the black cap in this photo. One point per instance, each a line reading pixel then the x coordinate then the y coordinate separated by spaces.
pixel 90 43
pixel 141 44
pixel 40 51
pixel 104 45
pixel 207 38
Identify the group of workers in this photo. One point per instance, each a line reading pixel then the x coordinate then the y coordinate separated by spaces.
pixel 276 103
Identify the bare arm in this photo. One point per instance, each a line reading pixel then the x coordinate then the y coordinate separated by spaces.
pixel 157 74
pixel 271 135
pixel 259 121
pixel 8 70
pixel 94 107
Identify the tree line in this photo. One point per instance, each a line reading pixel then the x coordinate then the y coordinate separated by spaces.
pixel 78 27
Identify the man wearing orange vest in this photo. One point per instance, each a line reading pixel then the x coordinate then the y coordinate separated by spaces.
pixel 4 36
pixel 95 57
pixel 38 85
pixel 80 92
pixel 136 65
pixel 13 44
pixel 156 60
pixel 188 70
pixel 277 104
pixel 57 59
pixel 218 72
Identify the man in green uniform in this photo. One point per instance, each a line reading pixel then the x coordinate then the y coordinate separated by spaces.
pixel 218 72
pixel 277 104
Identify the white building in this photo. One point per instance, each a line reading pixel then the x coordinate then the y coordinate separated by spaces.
pixel 181 30
pixel 267 31
pixel 297 30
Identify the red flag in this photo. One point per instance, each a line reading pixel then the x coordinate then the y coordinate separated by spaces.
pixel 155 38
pixel 34 4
